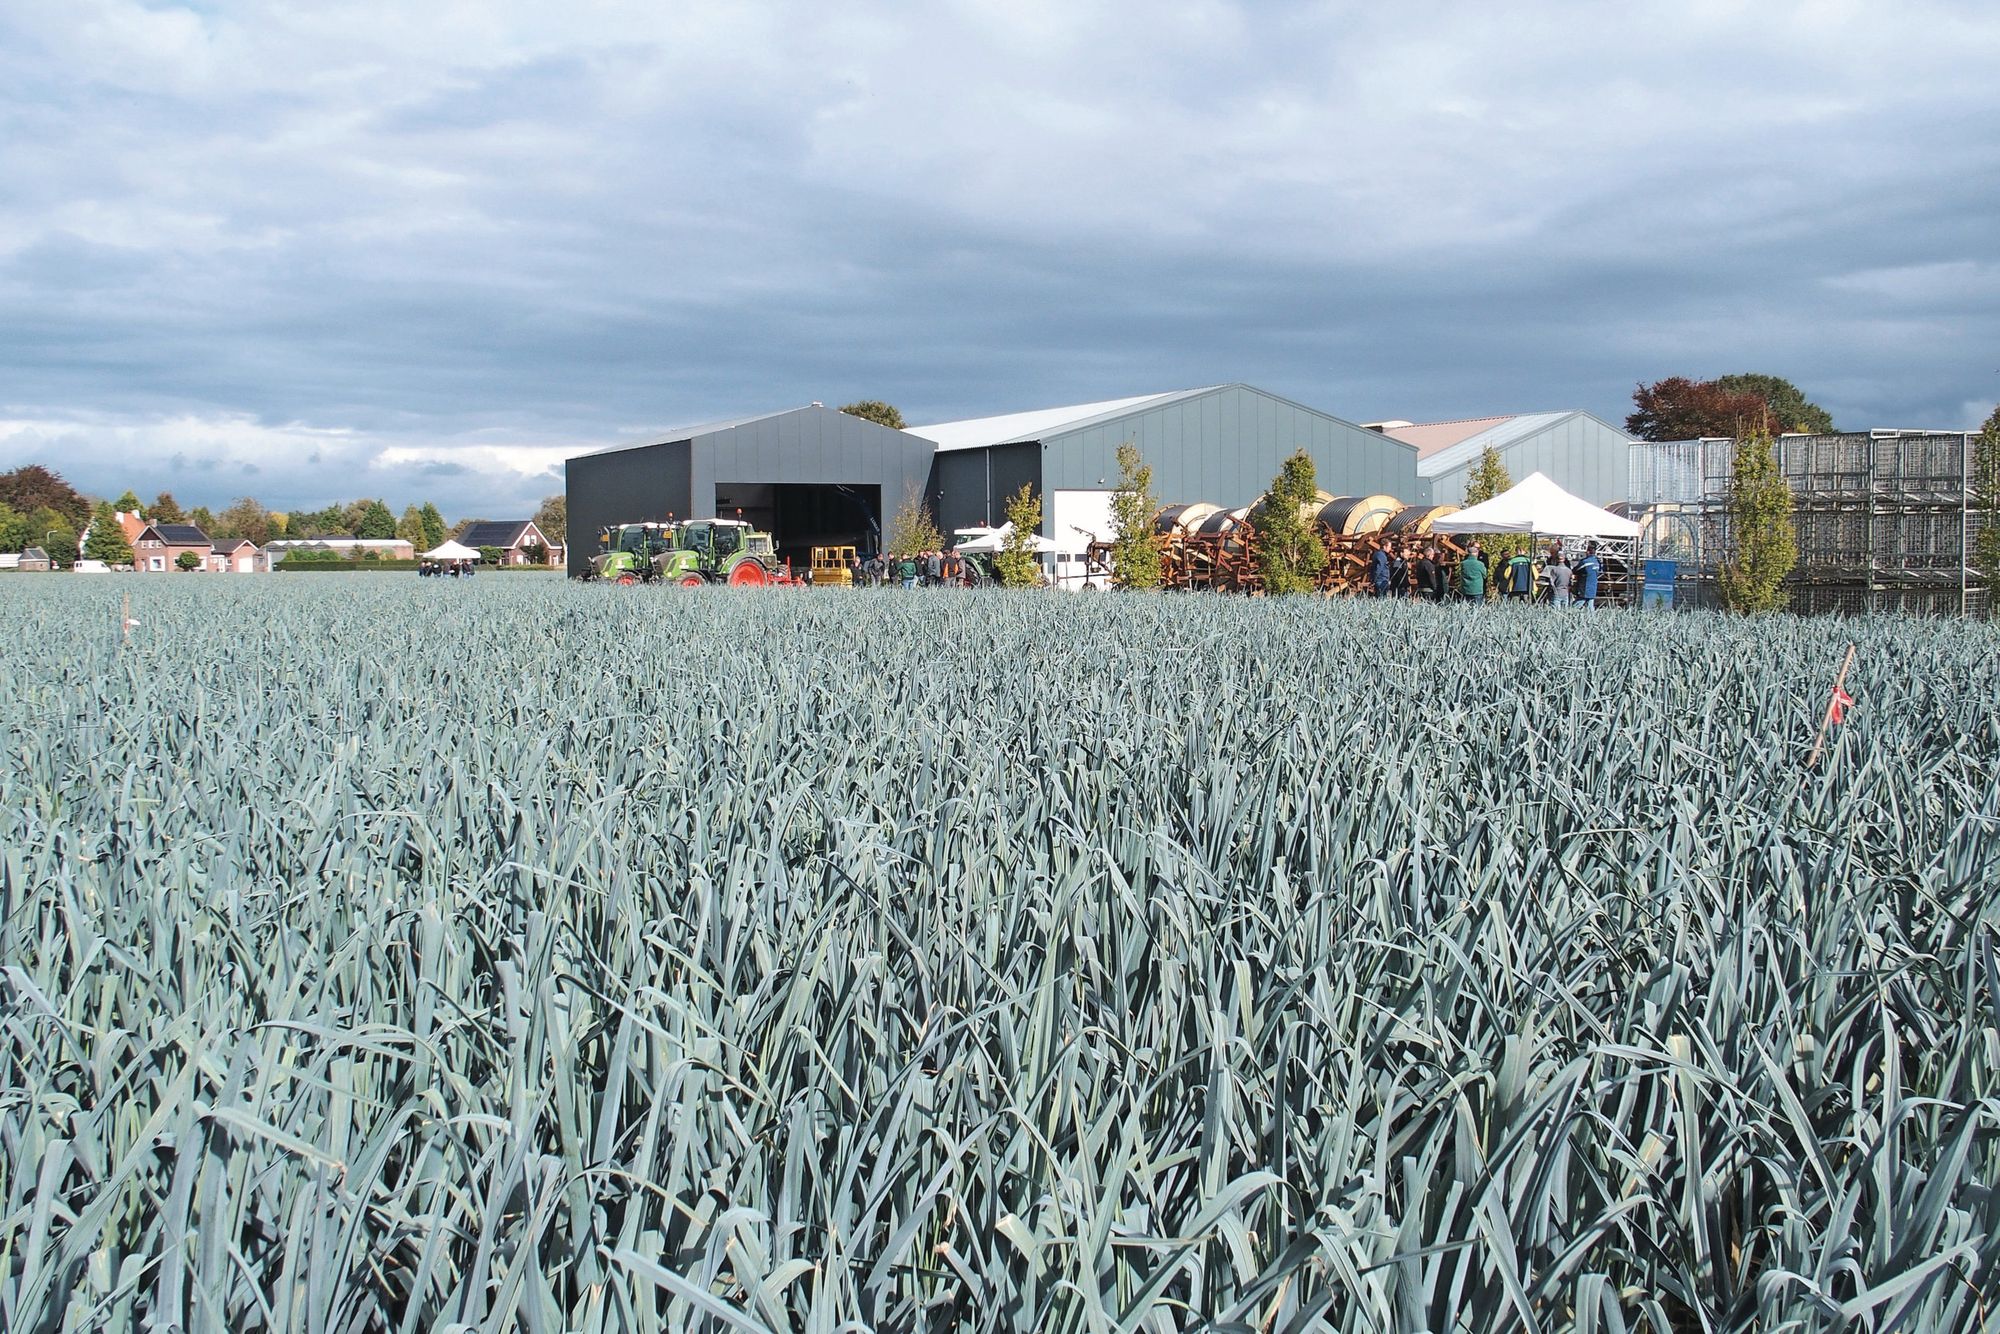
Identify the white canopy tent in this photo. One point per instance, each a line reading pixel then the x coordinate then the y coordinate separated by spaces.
pixel 1539 507
pixel 452 551
pixel 995 539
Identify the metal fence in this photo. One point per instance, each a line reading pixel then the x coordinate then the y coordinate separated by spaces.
pixel 1884 519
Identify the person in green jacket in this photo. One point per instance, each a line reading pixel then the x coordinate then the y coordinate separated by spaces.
pixel 1472 577
pixel 907 571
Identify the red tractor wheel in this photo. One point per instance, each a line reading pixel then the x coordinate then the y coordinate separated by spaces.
pixel 627 579
pixel 749 573
pixel 691 581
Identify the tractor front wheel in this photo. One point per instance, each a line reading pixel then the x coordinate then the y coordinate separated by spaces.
pixel 627 579
pixel 749 574
pixel 691 581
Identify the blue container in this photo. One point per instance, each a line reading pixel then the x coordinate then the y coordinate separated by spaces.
pixel 1658 589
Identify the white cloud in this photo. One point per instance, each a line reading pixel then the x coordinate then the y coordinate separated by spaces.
pixel 485 225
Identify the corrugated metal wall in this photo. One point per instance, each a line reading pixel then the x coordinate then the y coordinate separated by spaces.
pixel 645 485
pixel 810 446
pixel 970 487
pixel 1225 447
pixel 1579 453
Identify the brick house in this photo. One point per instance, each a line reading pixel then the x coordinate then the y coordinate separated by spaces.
pixel 160 545
pixel 233 555
pixel 513 537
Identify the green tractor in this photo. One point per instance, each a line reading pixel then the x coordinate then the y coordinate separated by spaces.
pixel 694 551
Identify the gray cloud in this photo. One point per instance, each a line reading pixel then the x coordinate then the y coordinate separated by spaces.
pixel 376 251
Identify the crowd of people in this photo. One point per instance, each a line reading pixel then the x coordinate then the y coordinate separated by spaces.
pixel 445 569
pixel 922 569
pixel 1420 570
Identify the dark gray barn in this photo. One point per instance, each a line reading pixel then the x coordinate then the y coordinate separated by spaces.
pixel 811 476
pixel 1222 444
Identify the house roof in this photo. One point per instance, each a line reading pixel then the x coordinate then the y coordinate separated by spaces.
pixel 229 544
pixel 1444 447
pixel 1022 427
pixel 502 533
pixel 178 534
pixel 1430 437
pixel 34 553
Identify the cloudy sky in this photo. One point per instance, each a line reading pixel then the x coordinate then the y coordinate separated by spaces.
pixel 309 252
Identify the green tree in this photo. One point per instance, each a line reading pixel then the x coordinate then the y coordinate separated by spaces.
pixel 875 410
pixel 1765 547
pixel 411 528
pixel 50 529
pixel 913 529
pixel 1985 490
pixel 435 528
pixel 328 522
pixel 165 509
pixel 244 518
pixel 187 561
pixel 1016 562
pixel 1135 556
pixel 534 552
pixel 126 504
pixel 14 533
pixel 1489 477
pixel 375 521
pixel 553 518
pixel 1789 408
pixel 1290 556
pixel 202 519
pixel 490 555
pixel 106 540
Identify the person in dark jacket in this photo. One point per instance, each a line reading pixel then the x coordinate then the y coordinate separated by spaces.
pixel 1517 579
pixel 1423 572
pixel 1378 572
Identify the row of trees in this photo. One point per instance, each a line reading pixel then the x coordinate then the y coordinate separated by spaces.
pixel 39 509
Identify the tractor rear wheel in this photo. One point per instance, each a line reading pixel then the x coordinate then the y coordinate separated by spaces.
pixel 627 579
pixel 749 573
pixel 691 581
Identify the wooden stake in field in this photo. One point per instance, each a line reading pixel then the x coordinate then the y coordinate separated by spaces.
pixel 1836 708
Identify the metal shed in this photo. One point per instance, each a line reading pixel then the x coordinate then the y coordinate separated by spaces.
pixel 810 476
pixel 1221 444
pixel 1581 453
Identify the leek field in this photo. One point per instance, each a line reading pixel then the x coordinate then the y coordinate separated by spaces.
pixel 392 955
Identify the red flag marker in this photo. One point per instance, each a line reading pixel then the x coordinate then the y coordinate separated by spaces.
pixel 1836 707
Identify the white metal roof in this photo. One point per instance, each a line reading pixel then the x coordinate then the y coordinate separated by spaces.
pixel 1509 430
pixel 677 433
pixel 1018 427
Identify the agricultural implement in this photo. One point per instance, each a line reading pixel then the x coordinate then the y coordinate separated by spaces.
pixel 1206 547
pixel 692 552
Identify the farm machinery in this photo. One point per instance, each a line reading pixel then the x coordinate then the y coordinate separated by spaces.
pixel 691 552
pixel 1204 546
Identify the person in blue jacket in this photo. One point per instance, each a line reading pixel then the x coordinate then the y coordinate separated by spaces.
pixel 1585 576
pixel 1378 572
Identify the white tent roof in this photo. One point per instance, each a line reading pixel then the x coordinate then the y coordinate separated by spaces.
pixel 451 551
pixel 1540 507
pixel 996 540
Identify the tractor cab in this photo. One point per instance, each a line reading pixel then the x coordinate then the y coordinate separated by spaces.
pixel 627 551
